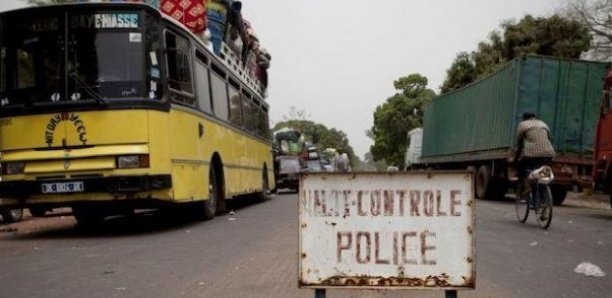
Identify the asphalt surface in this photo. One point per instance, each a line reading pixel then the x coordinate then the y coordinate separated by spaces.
pixel 253 253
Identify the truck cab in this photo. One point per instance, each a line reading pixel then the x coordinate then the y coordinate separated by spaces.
pixel 602 171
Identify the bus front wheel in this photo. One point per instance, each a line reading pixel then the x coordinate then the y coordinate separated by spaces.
pixel 87 217
pixel 210 206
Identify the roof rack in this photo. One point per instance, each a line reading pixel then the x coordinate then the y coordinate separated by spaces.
pixel 233 63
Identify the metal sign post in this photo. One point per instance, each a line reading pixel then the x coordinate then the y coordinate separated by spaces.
pixel 386 230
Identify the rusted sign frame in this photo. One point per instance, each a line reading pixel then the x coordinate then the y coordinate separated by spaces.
pixel 438 282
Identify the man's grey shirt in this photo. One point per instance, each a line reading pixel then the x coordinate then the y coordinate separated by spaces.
pixel 535 136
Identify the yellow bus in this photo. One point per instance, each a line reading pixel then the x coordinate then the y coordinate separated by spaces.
pixel 111 107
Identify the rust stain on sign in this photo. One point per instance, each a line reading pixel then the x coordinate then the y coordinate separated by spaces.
pixel 379 230
pixel 428 281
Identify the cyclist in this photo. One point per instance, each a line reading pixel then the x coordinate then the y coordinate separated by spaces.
pixel 534 148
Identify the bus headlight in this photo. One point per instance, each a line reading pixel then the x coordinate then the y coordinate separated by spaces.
pixel 12 168
pixel 132 161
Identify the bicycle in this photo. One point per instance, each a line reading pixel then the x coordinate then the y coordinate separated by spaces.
pixel 538 199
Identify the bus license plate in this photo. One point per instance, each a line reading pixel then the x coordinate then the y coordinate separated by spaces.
pixel 61 187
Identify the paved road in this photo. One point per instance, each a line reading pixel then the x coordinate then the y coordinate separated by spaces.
pixel 253 254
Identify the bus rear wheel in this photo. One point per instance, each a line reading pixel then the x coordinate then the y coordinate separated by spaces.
pixel 483 176
pixel 265 186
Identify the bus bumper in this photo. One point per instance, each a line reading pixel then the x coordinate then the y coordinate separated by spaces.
pixel 112 185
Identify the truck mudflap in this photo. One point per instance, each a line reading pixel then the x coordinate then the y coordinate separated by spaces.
pixel 115 184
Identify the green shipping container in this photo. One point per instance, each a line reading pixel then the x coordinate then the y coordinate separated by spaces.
pixel 479 121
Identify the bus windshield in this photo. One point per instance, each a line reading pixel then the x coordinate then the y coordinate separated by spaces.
pixel 98 57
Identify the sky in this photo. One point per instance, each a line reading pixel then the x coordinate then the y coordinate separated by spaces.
pixel 336 60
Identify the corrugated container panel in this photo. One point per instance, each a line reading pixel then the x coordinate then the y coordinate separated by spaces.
pixel 565 94
pixel 483 116
pixel 471 119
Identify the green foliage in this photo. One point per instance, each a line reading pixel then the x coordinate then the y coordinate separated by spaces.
pixel 369 164
pixel 552 36
pixel 461 73
pixel 393 119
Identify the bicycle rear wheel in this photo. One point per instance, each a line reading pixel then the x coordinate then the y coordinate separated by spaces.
pixel 522 207
pixel 544 209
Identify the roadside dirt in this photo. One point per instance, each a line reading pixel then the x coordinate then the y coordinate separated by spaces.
pixel 57 218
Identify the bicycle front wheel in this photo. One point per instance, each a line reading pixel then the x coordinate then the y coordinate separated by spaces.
pixel 544 209
pixel 522 207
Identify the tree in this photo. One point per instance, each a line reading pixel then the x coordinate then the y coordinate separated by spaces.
pixel 489 55
pixel 461 73
pixel 596 15
pixel 553 36
pixel 369 164
pixel 393 119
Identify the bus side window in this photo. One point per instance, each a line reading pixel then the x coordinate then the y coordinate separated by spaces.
pixel 262 124
pixel 265 125
pixel 258 120
pixel 219 92
pixel 235 113
pixel 609 99
pixel 249 110
pixel 202 83
pixel 2 70
pixel 179 72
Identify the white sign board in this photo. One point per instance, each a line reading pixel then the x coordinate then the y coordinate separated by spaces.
pixel 386 230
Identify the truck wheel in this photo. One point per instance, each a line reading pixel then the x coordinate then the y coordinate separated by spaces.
pixel 497 188
pixel 482 182
pixel 559 192
pixel 12 215
pixel 474 170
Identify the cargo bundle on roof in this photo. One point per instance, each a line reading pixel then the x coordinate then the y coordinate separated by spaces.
pixel 226 25
pixel 220 23
pixel 191 13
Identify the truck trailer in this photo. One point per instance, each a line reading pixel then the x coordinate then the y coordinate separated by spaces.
pixel 474 127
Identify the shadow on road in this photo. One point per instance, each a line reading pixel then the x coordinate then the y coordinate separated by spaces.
pixel 601 216
pixel 63 226
pixel 118 226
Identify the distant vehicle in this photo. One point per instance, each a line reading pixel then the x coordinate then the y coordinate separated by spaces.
pixel 474 127
pixel 414 149
pixel 392 169
pixel 313 166
pixel 327 165
pixel 10 215
pixel 289 169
